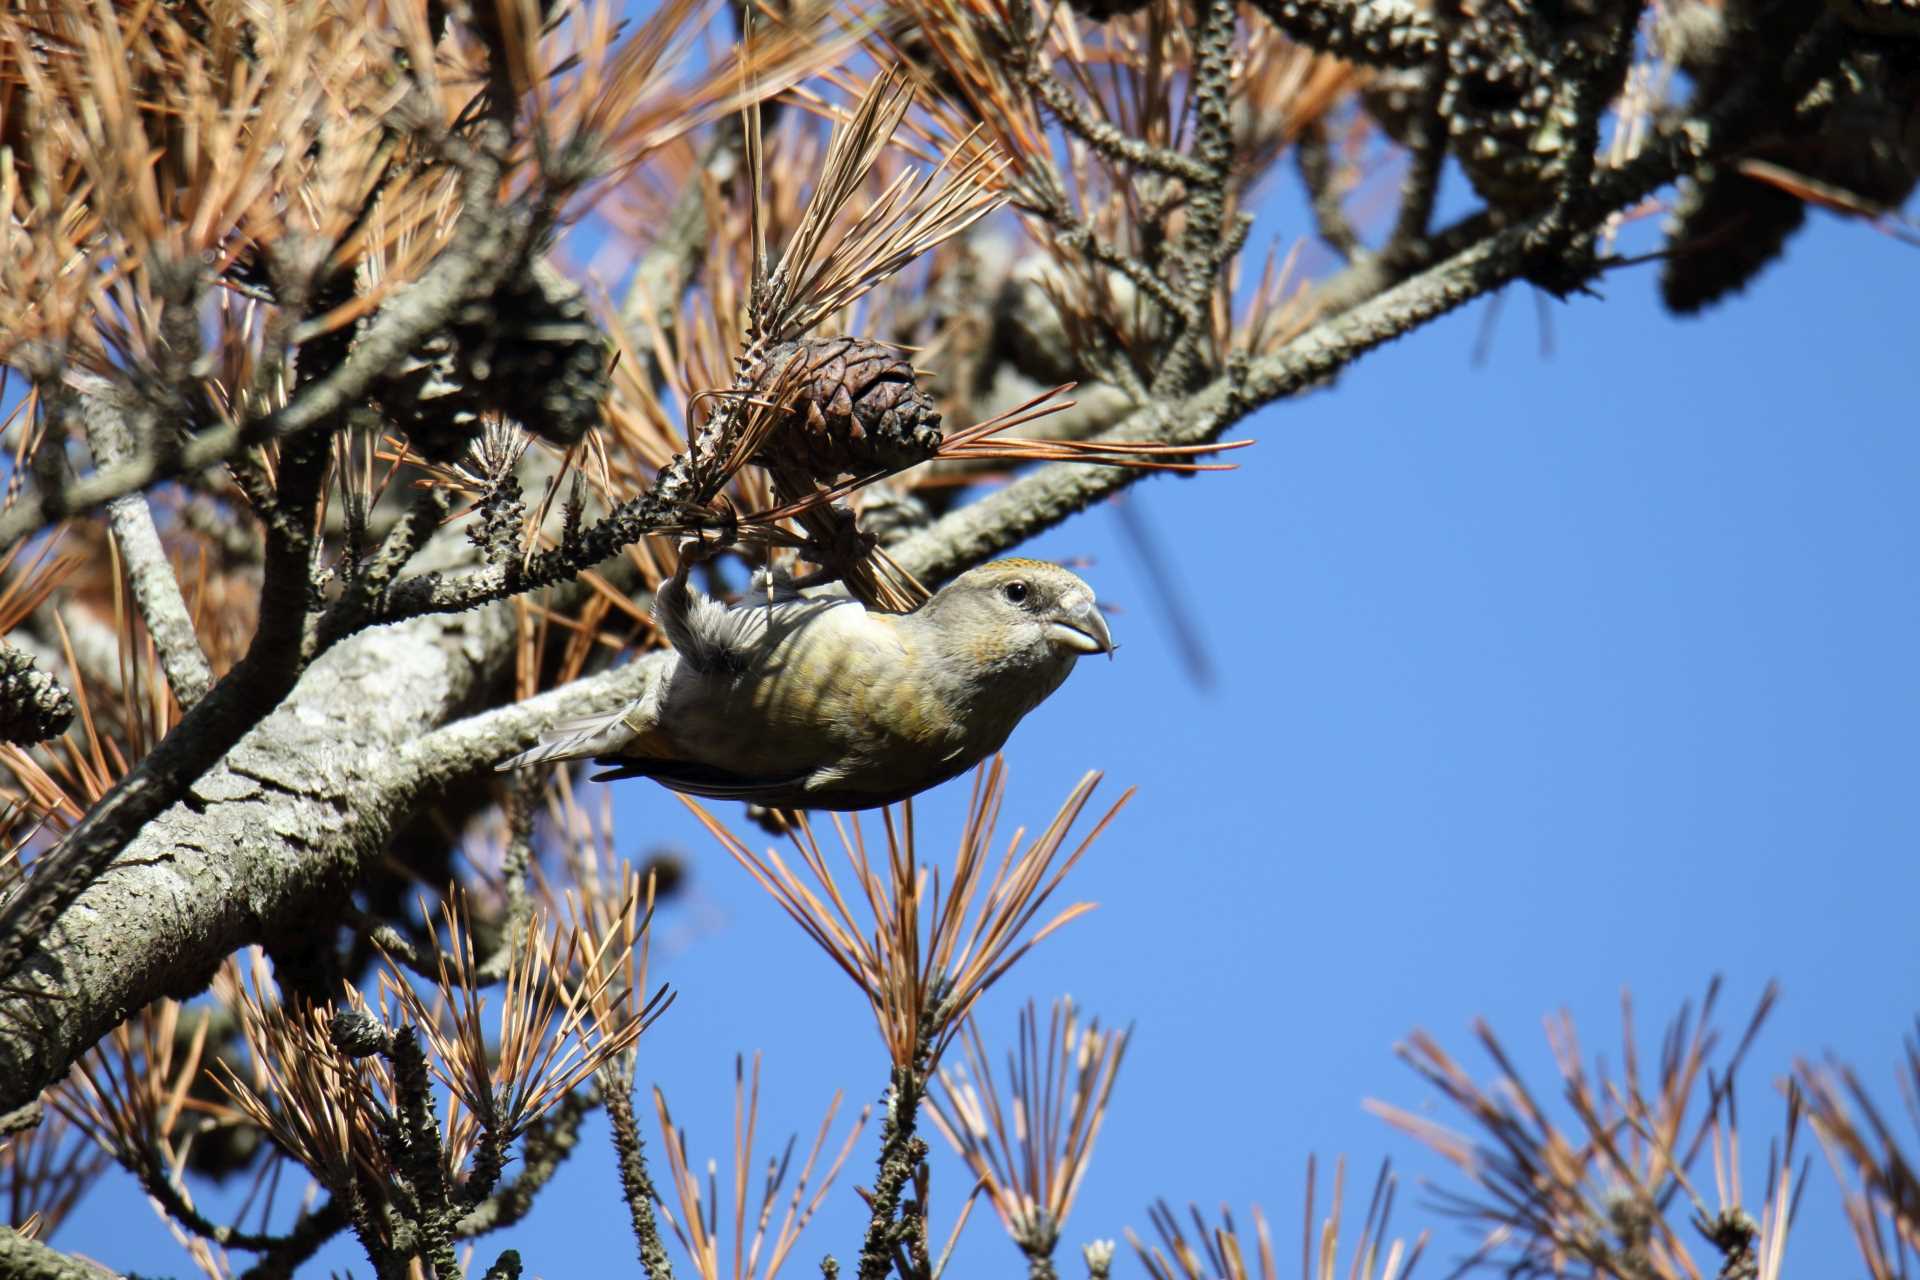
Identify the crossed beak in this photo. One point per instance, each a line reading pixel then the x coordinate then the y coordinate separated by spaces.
pixel 1083 629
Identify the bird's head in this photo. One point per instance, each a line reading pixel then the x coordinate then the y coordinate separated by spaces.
pixel 1019 613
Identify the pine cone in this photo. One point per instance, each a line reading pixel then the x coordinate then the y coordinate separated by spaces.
pixel 1507 129
pixel 1858 133
pixel 854 407
pixel 33 705
pixel 1725 228
pixel 530 351
pixel 1510 111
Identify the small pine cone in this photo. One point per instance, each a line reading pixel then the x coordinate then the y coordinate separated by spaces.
pixel 358 1034
pixel 545 357
pixel 33 705
pixel 1859 134
pixel 530 351
pixel 1726 227
pixel 1868 143
pixel 855 407
pixel 1374 33
pixel 1500 111
pixel 1511 112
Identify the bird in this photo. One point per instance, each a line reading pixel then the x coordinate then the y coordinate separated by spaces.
pixel 808 701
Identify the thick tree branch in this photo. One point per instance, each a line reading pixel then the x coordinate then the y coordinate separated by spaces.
pixel 289 818
pixel 24 1259
pixel 476 742
pixel 255 685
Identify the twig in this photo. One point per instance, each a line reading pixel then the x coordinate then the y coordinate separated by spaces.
pixel 1427 150
pixel 371 581
pixel 156 589
pixel 636 1186
pixel 414 1143
pixel 1076 236
pixel 1105 137
pixel 514 871
pixel 145 1166
pixel 900 1153
pixel 1597 77
pixel 1201 243
pixel 22 1118
pixel 626 524
pixel 309 1233
pixel 545 1147
pixel 1317 173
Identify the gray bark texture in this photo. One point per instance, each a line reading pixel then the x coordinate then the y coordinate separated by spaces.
pixel 286 820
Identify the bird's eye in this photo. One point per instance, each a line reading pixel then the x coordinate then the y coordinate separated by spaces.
pixel 1015 592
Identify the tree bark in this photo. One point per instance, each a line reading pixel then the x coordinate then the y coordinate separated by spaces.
pixel 284 822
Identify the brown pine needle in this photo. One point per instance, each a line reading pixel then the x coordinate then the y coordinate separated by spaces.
pixel 1218 1252
pixel 1598 1190
pixel 1030 1143
pixel 756 1256
pixel 915 949
pixel 829 262
pixel 559 1018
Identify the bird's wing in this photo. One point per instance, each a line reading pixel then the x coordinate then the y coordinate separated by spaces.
pixel 730 639
pixel 704 780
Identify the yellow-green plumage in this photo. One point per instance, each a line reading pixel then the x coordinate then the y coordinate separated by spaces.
pixel 822 704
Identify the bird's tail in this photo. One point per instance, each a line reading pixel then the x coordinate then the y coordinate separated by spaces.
pixel 579 740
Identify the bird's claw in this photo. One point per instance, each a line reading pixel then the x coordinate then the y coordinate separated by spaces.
pixel 703 544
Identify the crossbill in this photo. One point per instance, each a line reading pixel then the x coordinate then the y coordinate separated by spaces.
pixel 807 702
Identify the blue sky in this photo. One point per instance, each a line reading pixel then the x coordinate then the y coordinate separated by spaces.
pixel 1535 680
